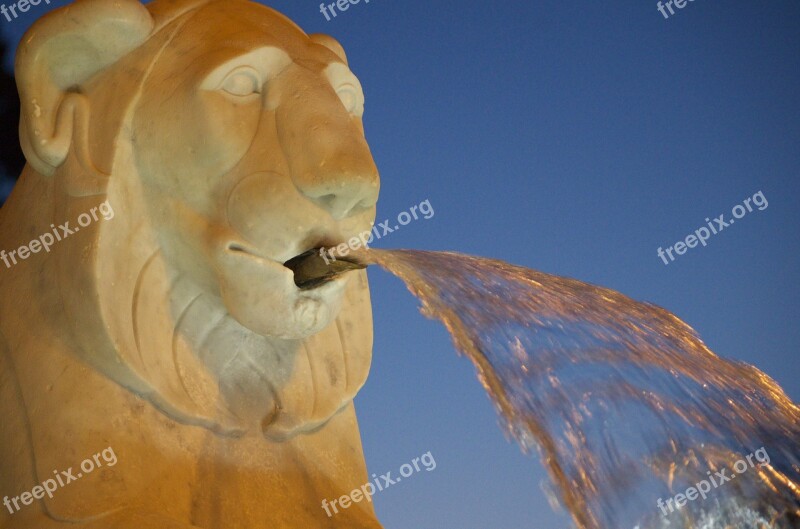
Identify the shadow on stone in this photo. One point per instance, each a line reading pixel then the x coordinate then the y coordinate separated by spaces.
pixel 11 158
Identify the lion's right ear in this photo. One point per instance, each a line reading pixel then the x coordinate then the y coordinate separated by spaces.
pixel 57 56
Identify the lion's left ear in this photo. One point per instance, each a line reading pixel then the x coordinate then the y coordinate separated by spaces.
pixel 330 43
pixel 56 57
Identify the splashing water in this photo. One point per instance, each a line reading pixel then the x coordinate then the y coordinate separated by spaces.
pixel 625 403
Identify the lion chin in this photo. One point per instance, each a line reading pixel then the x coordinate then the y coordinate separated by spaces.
pixel 228 142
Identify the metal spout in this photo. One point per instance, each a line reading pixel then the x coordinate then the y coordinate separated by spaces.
pixel 316 267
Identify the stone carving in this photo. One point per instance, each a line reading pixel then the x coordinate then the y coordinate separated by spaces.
pixel 207 142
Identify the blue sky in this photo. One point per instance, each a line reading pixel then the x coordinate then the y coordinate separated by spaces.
pixel 575 138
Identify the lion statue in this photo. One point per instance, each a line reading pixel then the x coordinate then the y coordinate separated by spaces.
pixel 178 154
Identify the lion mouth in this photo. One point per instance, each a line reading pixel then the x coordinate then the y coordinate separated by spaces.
pixel 317 266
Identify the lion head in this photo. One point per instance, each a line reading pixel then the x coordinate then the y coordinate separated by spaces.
pixel 227 142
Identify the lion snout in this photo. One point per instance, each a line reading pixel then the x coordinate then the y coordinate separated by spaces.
pixel 329 160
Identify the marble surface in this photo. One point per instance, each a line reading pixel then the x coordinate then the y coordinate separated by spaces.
pixel 178 154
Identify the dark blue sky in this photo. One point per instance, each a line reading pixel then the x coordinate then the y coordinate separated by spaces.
pixel 575 138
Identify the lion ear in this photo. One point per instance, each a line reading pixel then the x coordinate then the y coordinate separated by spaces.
pixel 57 55
pixel 330 43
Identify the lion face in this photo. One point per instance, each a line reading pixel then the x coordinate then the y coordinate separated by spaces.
pixel 252 154
pixel 228 141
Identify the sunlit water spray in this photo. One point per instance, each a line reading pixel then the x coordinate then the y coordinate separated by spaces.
pixel 624 402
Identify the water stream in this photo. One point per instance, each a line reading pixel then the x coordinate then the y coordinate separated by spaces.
pixel 625 404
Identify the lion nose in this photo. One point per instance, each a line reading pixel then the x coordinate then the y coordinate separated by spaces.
pixel 344 195
pixel 337 173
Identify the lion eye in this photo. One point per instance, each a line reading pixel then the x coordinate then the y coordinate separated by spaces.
pixel 347 93
pixel 242 82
